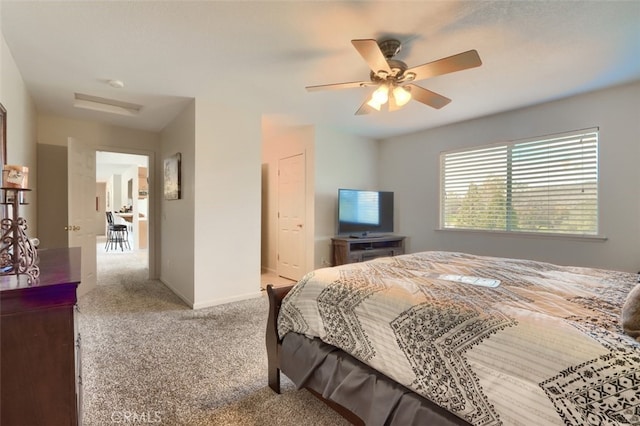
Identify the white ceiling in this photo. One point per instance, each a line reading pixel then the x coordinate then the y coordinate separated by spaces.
pixel 260 55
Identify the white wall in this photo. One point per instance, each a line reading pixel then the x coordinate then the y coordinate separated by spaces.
pixel 341 161
pixel 177 216
pixel 131 174
pixel 227 206
pixel 116 193
pixel 409 165
pixel 101 200
pixel 56 130
pixel 21 130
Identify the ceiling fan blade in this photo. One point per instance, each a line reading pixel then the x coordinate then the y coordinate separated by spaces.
pixel 373 56
pixel 365 109
pixel 428 97
pixel 459 62
pixel 393 105
pixel 338 86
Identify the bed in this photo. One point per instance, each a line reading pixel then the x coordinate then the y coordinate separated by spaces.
pixel 460 339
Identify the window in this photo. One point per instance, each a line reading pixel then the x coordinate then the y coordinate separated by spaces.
pixel 543 185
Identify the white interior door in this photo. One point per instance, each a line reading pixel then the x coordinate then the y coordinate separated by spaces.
pixel 291 214
pixel 81 214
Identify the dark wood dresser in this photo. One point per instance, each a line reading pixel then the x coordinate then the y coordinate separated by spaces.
pixel 39 345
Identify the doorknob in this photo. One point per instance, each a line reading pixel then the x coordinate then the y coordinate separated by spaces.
pixel 71 228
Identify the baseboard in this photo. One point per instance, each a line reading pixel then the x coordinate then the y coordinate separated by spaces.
pixel 215 302
pixel 268 271
pixel 238 298
pixel 177 293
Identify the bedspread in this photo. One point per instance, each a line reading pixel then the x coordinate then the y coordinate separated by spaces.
pixel 493 340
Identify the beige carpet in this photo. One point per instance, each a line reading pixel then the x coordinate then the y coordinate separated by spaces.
pixel 147 358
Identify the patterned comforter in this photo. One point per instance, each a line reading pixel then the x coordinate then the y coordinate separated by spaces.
pixel 543 347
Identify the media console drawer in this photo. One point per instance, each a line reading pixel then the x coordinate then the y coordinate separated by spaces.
pixel 353 250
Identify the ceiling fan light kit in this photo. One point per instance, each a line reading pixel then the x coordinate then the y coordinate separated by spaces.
pixel 381 94
pixel 402 95
pixel 394 79
pixel 374 104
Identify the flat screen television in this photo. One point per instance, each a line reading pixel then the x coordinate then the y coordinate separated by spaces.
pixel 363 213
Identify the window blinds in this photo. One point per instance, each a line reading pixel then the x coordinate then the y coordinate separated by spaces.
pixel 542 185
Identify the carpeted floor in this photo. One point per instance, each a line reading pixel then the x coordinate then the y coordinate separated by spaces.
pixel 147 358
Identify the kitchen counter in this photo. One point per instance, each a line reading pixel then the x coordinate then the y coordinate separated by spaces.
pixel 142 227
pixel 126 216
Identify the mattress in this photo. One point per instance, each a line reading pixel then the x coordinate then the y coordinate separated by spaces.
pixel 491 340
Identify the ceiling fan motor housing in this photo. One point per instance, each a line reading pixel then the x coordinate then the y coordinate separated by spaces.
pixel 397 72
pixel 390 48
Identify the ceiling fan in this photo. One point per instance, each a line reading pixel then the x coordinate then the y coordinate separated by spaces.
pixel 394 80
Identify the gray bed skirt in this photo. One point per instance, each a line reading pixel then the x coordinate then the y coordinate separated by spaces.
pixel 339 377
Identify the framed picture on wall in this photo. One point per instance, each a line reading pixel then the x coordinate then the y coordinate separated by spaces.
pixel 3 136
pixel 172 177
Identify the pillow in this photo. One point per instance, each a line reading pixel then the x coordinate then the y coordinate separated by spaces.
pixel 631 313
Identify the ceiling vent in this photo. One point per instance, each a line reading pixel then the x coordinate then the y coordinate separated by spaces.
pixel 112 106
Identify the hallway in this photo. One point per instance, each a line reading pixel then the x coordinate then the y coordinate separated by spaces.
pixel 116 266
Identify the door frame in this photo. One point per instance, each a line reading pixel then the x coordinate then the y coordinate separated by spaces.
pixel 154 267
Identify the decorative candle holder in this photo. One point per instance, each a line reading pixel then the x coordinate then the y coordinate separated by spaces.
pixel 18 255
pixel 15 176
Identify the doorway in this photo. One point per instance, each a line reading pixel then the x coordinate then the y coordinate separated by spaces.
pixel 122 188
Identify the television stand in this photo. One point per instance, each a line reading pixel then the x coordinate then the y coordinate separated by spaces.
pixel 366 236
pixel 361 249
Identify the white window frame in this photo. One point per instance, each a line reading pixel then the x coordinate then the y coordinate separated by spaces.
pixel 500 155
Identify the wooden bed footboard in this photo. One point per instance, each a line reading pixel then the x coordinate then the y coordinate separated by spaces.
pixel 273 342
pixel 275 296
